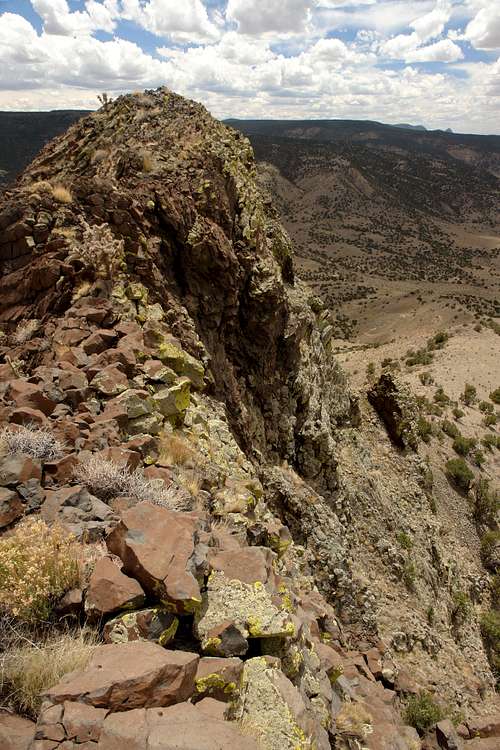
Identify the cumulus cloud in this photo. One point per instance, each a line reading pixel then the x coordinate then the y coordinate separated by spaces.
pixel 483 31
pixel 262 58
pixel 277 16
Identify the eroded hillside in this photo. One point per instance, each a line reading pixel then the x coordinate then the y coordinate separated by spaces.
pixel 261 559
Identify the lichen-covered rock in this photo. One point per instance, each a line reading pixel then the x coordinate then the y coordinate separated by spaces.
pixel 249 607
pixel 152 624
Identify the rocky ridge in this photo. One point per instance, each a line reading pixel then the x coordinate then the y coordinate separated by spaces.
pixel 153 322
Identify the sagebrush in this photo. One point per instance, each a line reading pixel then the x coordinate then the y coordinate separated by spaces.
pixel 34 441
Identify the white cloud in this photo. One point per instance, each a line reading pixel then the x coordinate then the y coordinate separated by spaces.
pixel 277 16
pixel 442 51
pixel 483 31
pixel 58 19
pixel 181 20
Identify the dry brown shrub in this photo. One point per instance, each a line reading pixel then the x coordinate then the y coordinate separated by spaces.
pixel 25 331
pixel 175 450
pixel 354 719
pixel 61 194
pixel 38 564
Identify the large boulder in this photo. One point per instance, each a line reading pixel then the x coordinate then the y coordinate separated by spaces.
pixel 16 733
pixel 157 548
pixel 129 675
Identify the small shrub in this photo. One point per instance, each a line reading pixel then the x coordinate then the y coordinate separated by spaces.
pixel 440 397
pixel 101 252
pixel 486 503
pixel 404 540
pixel 175 450
pixel 61 194
pixel 463 445
pixel 108 479
pixel 469 396
pixel 409 575
pixel 490 420
pixel 459 473
pixel 38 565
pixel 495 396
pixel 420 357
pixel 147 162
pixel 461 608
pixel 450 429
pixel 354 719
pixel 422 712
pixel 37 442
pixel 424 429
pixel 478 458
pixel 370 370
pixel 426 378
pixel 28 668
pixel 25 331
pixel 489 441
pixel 486 407
pixel 438 341
pixel 489 543
pixel 490 630
pixel 457 413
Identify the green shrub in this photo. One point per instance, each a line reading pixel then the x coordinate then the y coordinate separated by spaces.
pixel 490 630
pixel 463 445
pixel 426 378
pixel 409 575
pixel 478 458
pixel 440 397
pixel 461 607
pixel 469 396
pixel 404 540
pixel 420 357
pixel 489 441
pixel 370 370
pixel 424 429
pixel 489 542
pixel 490 420
pixel 459 473
pixel 422 712
pixel 458 413
pixel 486 504
pixel 450 429
pixel 438 341
pixel 486 407
pixel 495 396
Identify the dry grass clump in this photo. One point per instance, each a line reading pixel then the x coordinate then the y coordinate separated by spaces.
pixel 355 720
pixel 25 331
pixel 28 668
pixel 61 194
pixel 147 162
pixel 107 480
pixel 38 565
pixel 175 450
pixel 34 441
pixel 40 186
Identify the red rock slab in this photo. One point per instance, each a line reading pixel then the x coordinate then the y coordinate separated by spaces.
pixel 248 564
pixel 156 547
pixel 11 507
pixel 123 676
pixel 30 395
pixel 16 733
pixel 110 590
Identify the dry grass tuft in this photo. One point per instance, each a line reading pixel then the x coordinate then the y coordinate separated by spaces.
pixel 40 186
pixel 355 720
pixel 25 331
pixel 28 668
pixel 108 479
pixel 61 194
pixel 38 565
pixel 34 441
pixel 147 162
pixel 175 450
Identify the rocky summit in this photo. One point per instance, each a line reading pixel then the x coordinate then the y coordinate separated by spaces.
pixel 252 554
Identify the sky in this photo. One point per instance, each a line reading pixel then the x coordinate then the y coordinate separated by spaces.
pixel 430 62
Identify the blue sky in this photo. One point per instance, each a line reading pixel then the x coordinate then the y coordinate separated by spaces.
pixel 435 62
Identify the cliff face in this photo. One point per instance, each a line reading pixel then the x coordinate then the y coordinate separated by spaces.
pixel 180 320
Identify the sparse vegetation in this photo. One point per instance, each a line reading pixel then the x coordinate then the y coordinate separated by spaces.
pixel 38 565
pixel 440 397
pixel 469 395
pixel 457 412
pixel 404 540
pixel 426 378
pixel 463 445
pixel 461 608
pixel 61 194
pixel 28 667
pixel 101 252
pixel 31 440
pixel 422 712
pixel 424 429
pixel 495 396
pixel 354 719
pixel 450 429
pixel 108 480
pixel 409 575
pixel 459 473
pixel 490 630
pixel 490 543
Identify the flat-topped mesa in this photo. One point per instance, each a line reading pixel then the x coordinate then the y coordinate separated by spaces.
pixel 189 238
